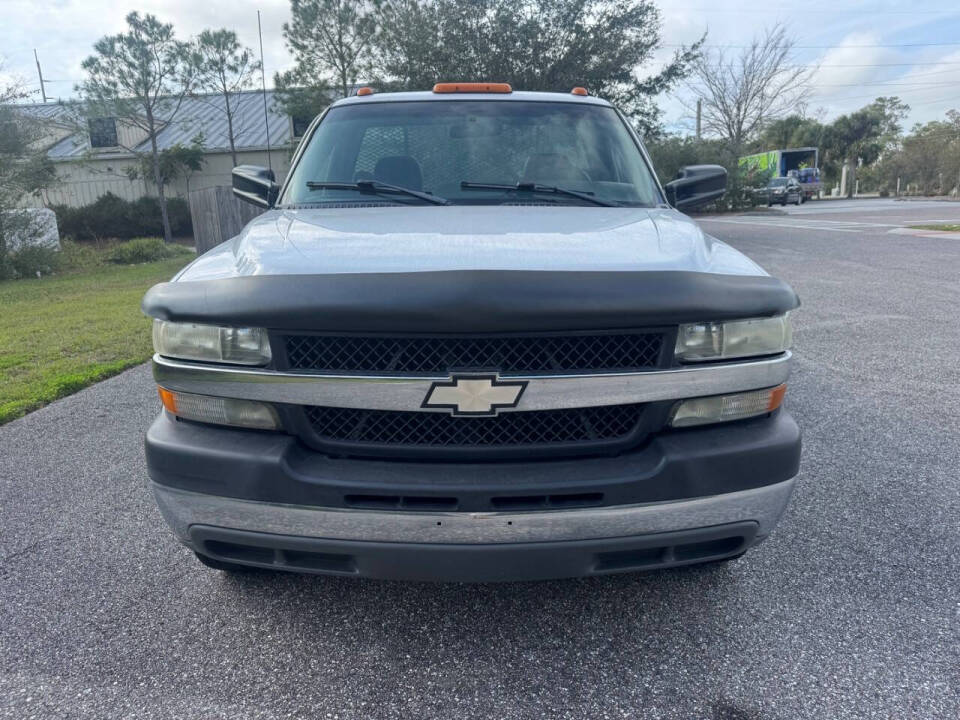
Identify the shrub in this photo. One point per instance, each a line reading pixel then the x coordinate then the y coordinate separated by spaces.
pixel 145 249
pixel 28 261
pixel 113 217
pixel 77 256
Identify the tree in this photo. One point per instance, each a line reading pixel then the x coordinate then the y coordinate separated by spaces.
pixel 226 68
pixel 25 170
pixel 176 161
pixel 534 45
pixel 140 78
pixel 927 158
pixel 855 138
pixel 330 41
pixel 743 92
pixel 892 111
pixel 790 131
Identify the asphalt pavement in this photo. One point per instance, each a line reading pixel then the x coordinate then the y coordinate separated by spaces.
pixel 850 610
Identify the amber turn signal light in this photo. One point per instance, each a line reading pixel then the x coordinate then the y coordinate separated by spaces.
pixel 724 408
pixel 219 410
pixel 776 397
pixel 364 91
pixel 473 87
pixel 168 399
pixel 579 91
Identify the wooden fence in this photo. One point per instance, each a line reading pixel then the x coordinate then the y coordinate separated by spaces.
pixel 218 215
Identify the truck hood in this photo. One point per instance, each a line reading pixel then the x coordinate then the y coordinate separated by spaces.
pixel 331 241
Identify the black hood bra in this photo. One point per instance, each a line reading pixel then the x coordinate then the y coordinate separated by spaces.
pixel 470 300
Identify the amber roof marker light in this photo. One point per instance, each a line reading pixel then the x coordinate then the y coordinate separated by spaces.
pixel 361 92
pixel 472 87
pixel 579 91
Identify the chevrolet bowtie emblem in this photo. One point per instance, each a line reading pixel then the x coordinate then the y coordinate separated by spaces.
pixel 474 395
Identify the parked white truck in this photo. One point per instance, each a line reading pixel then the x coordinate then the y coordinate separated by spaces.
pixel 472 338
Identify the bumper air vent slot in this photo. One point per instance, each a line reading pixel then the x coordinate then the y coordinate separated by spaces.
pixel 687 552
pixel 400 502
pixel 541 502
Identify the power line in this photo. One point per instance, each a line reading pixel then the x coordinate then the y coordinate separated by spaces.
pixel 825 47
pixel 910 75
pixel 752 11
pixel 935 102
pixel 888 84
pixel 903 64
pixel 874 95
pixel 808 7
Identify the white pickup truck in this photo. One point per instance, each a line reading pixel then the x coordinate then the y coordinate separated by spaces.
pixel 472 339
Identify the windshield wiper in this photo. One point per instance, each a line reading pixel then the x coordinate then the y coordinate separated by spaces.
pixel 375 186
pixel 535 188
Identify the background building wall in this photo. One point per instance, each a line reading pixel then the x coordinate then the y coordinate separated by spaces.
pixel 83 181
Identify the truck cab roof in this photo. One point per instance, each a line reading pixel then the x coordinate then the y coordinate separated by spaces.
pixel 428 96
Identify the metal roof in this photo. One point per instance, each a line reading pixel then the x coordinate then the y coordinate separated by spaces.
pixel 46 111
pixel 202 114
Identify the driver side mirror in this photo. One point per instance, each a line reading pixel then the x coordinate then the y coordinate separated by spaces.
pixel 696 185
pixel 256 185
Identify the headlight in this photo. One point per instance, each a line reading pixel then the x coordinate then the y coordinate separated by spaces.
pixel 210 343
pixel 697 342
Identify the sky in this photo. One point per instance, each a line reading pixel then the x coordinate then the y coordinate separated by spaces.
pixel 864 48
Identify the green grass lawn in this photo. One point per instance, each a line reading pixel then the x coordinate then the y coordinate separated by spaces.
pixel 947 227
pixel 63 332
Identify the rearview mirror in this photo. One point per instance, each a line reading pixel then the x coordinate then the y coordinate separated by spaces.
pixel 696 185
pixel 255 184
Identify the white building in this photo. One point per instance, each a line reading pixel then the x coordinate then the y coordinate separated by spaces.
pixel 96 159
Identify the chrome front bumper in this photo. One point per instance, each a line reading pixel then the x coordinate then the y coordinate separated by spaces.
pixel 183 509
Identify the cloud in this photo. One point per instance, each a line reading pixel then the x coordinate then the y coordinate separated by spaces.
pixel 847 64
pixel 851 76
pixel 64 32
pixel 937 88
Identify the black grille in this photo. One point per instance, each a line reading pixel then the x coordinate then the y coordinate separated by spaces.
pixel 539 428
pixel 530 353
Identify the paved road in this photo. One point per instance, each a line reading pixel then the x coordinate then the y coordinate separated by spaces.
pixel 850 216
pixel 849 611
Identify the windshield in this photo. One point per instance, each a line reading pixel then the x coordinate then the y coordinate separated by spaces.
pixel 437 146
pixel 778 182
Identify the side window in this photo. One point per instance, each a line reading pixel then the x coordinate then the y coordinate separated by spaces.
pixel 299 124
pixel 103 132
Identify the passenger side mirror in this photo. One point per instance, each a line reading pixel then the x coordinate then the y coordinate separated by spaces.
pixel 256 185
pixel 696 185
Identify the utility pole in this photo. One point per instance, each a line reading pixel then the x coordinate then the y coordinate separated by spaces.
pixel 43 89
pixel 699 116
